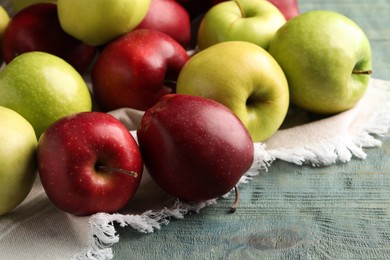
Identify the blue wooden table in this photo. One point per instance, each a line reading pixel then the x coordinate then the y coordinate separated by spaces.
pixel 294 212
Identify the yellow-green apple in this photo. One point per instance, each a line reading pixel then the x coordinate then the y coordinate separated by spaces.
pixel 18 5
pixel 326 58
pixel 136 69
pixel 289 8
pixel 88 163
pixel 245 78
pixel 37 28
pixel 169 17
pixel 43 88
pixel 240 20
pixel 96 22
pixel 195 148
pixel 4 21
pixel 17 159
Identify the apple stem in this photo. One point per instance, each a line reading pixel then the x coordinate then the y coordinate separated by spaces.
pixel 233 208
pixel 113 169
pixel 367 72
pixel 240 7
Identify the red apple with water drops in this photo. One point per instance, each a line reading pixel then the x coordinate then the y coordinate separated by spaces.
pixel 137 69
pixel 195 148
pixel 89 162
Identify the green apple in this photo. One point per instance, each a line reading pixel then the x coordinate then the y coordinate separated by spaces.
pixel 17 159
pixel 18 5
pixel 253 21
pixel 245 78
pixel 43 88
pixel 326 58
pixel 97 22
pixel 4 20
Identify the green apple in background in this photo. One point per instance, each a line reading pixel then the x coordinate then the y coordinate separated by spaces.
pixel 326 58
pixel 4 20
pixel 18 5
pixel 17 159
pixel 97 22
pixel 245 78
pixel 253 21
pixel 43 88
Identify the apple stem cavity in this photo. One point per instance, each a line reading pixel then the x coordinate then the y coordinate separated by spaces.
pixel 234 207
pixel 362 72
pixel 103 168
pixel 240 7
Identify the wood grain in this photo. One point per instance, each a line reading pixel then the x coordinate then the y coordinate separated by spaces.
pixel 289 212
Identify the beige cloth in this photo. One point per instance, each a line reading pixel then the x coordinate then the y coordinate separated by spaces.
pixel 37 230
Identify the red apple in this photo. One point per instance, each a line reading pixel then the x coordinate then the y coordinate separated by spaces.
pixel 289 8
pixel 170 17
pixel 37 28
pixel 89 163
pixel 136 69
pixel 195 148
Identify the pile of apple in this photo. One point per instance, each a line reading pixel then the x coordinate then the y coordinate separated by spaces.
pixel 210 77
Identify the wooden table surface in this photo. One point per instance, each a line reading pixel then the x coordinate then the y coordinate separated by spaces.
pixel 294 212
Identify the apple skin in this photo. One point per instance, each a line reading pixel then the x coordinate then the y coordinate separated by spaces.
pixel 251 21
pixel 43 88
pixel 195 149
pixel 245 78
pixel 134 70
pixel 4 21
pixel 318 51
pixel 70 153
pixel 37 28
pixel 97 22
pixel 289 8
pixel 17 159
pixel 169 17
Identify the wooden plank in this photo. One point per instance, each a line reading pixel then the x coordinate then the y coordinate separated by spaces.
pixel 289 212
